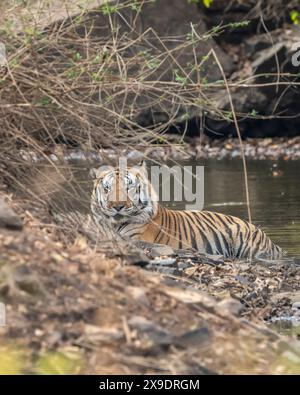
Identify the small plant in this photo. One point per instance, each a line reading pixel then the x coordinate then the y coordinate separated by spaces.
pixel 179 78
pixel 77 56
pixel 228 115
pixel 45 101
pixel 161 140
pixel 295 16
pixel 151 62
pixel 191 36
pixel 72 74
pixel 13 63
pixel 236 25
pixel 108 9
pixel 96 77
pixel 135 6
pixel 97 59
pixel 207 3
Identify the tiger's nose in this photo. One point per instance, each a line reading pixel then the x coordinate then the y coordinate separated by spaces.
pixel 119 207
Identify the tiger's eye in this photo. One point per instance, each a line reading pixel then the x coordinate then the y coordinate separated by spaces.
pixel 105 187
pixel 129 182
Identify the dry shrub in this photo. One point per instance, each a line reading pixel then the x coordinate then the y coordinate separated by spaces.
pixel 98 80
pixel 81 84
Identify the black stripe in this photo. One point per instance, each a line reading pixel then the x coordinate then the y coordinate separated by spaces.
pixel 207 245
pixel 178 229
pixel 193 236
pixel 212 228
pixel 227 227
pixel 162 227
pixel 159 229
pixel 184 226
pixel 247 235
pixel 238 253
pixel 228 251
pixel 255 247
pixel 167 231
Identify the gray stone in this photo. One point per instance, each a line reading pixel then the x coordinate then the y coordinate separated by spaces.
pixel 231 305
pixel 296 305
pixel 161 250
pixel 8 218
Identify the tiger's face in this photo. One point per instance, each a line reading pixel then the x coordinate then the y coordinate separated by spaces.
pixel 123 195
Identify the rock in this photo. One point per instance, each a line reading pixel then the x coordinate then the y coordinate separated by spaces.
pixel 158 336
pixel 296 305
pixel 222 12
pixel 163 262
pixel 190 296
pixel 161 26
pixel 137 257
pixel 8 218
pixel 255 44
pixel 166 20
pixel 94 334
pixel 150 331
pixel 231 305
pixel 265 58
pixel 142 323
pixel 160 250
pixel 293 296
pixel 139 295
pixel 198 337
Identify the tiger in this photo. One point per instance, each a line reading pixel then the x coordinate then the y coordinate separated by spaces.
pixel 124 203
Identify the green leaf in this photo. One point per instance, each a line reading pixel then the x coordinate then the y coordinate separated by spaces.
pixel 207 3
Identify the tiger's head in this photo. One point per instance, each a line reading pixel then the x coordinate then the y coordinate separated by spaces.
pixel 123 195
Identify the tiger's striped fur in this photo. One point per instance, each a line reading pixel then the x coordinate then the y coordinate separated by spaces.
pixel 123 204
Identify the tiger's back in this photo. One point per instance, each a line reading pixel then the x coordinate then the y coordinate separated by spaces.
pixel 210 233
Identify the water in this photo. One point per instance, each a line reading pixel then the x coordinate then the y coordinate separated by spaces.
pixel 274 194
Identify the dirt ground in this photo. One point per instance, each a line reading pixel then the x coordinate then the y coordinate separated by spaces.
pixel 72 309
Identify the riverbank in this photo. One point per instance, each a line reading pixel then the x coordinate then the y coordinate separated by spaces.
pixel 73 307
pixel 254 148
pixel 276 148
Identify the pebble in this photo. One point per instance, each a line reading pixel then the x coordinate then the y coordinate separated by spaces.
pixel 8 218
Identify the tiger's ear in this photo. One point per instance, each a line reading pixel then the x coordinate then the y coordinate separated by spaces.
pixel 142 164
pixel 94 174
pixel 141 167
pixel 101 171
